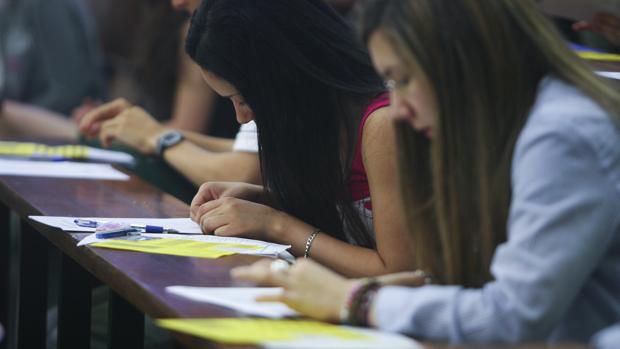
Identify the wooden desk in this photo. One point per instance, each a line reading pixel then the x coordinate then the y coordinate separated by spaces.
pixel 605 66
pixel 137 280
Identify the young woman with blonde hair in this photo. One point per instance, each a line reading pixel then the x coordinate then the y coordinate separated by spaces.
pixel 510 172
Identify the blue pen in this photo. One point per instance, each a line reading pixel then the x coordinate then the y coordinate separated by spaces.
pixel 154 229
pixel 116 233
pixel 150 229
pixel 86 223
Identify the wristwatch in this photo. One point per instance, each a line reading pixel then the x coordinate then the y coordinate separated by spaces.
pixel 167 140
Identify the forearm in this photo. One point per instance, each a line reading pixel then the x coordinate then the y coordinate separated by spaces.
pixel 344 258
pixel 212 144
pixel 24 120
pixel 199 165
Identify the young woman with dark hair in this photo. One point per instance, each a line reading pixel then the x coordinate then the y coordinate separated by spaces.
pixel 509 150
pixel 325 139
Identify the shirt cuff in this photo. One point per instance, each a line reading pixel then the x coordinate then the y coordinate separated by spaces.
pixel 422 312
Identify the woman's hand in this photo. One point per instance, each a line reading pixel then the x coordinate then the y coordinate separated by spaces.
pixel 215 190
pixel 90 123
pixel 122 122
pixel 312 289
pixel 309 288
pixel 603 23
pixel 87 105
pixel 234 217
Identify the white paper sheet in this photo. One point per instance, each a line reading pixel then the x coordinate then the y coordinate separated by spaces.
pixel 580 10
pixel 110 156
pixel 609 74
pixel 241 299
pixel 188 230
pixel 72 170
pixel 182 225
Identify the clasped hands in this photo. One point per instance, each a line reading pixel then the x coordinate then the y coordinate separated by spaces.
pixel 236 210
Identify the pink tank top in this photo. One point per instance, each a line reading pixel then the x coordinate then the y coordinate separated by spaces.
pixel 358 182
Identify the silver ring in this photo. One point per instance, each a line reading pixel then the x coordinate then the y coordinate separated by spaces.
pixel 426 277
pixel 278 266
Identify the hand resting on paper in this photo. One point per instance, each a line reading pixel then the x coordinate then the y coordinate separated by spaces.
pixel 234 217
pixel 306 279
pixel 215 190
pixel 236 210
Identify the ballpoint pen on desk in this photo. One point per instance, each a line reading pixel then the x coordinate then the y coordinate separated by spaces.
pixel 86 223
pixel 150 229
pixel 154 229
pixel 116 233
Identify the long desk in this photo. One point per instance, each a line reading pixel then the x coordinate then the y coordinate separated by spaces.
pixel 138 280
pixel 605 66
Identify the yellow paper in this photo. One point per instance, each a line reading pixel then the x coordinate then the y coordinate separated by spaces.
pixel 597 56
pixel 256 331
pixel 175 247
pixel 34 149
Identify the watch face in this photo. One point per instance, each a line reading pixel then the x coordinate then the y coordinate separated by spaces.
pixel 171 138
pixel 167 140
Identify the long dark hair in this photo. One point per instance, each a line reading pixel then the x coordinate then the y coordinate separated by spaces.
pixel 484 61
pixel 307 79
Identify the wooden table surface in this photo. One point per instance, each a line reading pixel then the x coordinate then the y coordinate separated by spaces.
pixel 139 278
pixel 605 66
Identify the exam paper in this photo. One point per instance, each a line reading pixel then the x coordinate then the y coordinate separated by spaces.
pixel 241 299
pixel 74 170
pixel 188 230
pixel 77 152
pixel 174 247
pixel 182 225
pixel 232 245
pixel 598 56
pixel 609 74
pixel 109 156
pixel 579 10
pixel 298 334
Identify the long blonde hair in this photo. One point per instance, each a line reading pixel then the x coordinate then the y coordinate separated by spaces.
pixel 484 60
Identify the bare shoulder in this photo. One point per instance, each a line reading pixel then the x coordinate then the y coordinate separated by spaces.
pixel 378 134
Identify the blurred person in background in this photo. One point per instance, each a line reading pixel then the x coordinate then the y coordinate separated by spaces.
pixel 146 66
pixel 51 62
pixel 198 158
pixel 605 24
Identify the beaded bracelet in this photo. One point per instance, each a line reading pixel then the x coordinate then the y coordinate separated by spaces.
pixel 345 311
pixel 355 310
pixel 309 242
pixel 361 314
